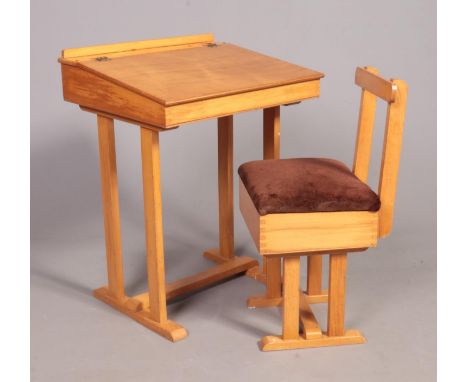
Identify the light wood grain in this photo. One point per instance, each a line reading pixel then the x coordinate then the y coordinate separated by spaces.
pixel 225 186
pixel 193 283
pixel 336 294
pixel 314 275
pixel 289 233
pixel 280 234
pixel 362 153
pixel 271 343
pixel 236 103
pixel 133 46
pixel 310 325
pixel 391 157
pixel 93 90
pixel 291 296
pixel 89 90
pixel 271 133
pixel 271 150
pixel 110 205
pixel 375 84
pixel 319 298
pixel 187 75
pixel 168 329
pixel 250 214
pixel 273 277
pixel 153 224
pixel 123 119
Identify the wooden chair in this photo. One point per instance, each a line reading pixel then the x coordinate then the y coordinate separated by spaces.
pixel 312 207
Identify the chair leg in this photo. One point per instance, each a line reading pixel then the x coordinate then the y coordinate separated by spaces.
pixel 273 279
pixel 337 294
pixel 315 293
pixel 336 334
pixel 291 296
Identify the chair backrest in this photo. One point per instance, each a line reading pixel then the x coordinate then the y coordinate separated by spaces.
pixel 394 92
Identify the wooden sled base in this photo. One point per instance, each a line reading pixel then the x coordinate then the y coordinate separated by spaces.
pixel 351 337
pixel 137 307
pixel 168 329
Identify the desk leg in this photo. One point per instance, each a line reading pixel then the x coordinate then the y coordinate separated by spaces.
pixel 154 233
pixel 110 204
pixel 225 192
pixel 271 273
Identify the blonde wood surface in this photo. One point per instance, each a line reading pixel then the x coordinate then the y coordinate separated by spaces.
pixel 351 337
pixel 271 150
pixel 310 325
pixel 391 157
pixel 225 186
pixel 336 294
pixel 267 302
pixel 319 298
pixel 314 274
pixel 288 233
pixel 271 133
pixel 236 103
pixel 191 284
pixel 123 119
pixel 375 84
pixel 250 214
pixel 94 92
pixel 110 205
pixel 362 153
pixel 319 231
pixel 153 224
pixel 278 234
pixel 186 75
pixel 89 90
pixel 273 277
pixel 132 46
pixel 291 296
pixel 99 56
pixel 168 329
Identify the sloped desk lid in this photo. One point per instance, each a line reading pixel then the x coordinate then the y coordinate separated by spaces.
pixel 180 76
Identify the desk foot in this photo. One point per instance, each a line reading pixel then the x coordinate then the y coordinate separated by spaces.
pixel 351 337
pixel 128 306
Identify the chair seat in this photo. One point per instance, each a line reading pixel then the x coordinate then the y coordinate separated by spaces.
pixel 302 185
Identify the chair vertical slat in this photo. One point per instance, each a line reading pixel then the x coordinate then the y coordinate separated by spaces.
pixel 363 148
pixel 391 157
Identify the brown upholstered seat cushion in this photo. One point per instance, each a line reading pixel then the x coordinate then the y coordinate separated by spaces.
pixel 305 185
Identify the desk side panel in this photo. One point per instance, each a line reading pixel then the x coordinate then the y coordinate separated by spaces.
pixel 86 89
pixel 227 105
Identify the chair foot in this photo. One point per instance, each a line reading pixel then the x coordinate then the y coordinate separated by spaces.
pixel 257 274
pixel 168 329
pixel 351 337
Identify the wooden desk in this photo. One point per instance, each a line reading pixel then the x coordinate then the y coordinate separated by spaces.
pixel 159 85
